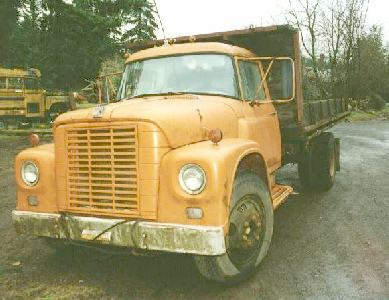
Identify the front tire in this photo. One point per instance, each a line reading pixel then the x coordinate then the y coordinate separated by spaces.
pixel 249 236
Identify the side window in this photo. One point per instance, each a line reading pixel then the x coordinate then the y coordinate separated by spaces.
pixel 251 80
pixel 15 83
pixel 3 82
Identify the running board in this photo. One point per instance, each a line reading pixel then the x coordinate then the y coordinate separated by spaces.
pixel 279 194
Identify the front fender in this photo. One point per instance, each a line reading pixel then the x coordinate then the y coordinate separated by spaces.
pixel 219 163
pixel 45 190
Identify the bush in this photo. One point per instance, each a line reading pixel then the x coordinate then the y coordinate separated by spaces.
pixel 376 102
pixel 359 104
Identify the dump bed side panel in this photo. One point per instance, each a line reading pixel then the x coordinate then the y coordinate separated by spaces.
pixel 323 113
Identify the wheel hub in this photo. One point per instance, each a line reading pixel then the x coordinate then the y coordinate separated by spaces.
pixel 251 231
pixel 246 230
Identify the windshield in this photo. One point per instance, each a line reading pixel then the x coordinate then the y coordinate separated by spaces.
pixel 32 83
pixel 195 74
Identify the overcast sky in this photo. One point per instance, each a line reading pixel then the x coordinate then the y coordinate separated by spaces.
pixel 187 17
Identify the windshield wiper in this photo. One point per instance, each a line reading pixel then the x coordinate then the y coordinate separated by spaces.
pixel 157 94
pixel 174 93
pixel 138 96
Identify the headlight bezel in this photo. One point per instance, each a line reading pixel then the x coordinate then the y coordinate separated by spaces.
pixel 23 175
pixel 183 186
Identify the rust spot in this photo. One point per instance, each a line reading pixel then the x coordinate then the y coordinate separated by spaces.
pixel 200 115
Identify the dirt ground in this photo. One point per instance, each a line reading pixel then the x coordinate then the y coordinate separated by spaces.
pixel 327 246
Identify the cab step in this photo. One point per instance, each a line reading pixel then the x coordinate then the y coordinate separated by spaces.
pixel 279 194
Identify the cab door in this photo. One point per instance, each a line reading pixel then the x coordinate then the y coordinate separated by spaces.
pixel 260 122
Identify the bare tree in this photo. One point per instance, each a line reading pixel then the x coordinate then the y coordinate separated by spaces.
pixel 304 16
pixel 331 26
pixel 354 24
pixel 334 27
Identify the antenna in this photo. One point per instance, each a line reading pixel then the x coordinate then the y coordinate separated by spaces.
pixel 160 20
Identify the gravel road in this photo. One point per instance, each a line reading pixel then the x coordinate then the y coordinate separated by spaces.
pixel 325 246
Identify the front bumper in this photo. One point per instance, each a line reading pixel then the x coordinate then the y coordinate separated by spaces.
pixel 201 240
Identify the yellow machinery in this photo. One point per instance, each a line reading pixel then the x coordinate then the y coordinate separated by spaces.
pixel 22 99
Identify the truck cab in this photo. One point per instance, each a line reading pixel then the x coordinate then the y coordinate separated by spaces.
pixel 183 162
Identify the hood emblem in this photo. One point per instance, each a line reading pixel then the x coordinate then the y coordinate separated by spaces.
pixel 98 111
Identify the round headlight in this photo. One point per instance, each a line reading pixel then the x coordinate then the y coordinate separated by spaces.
pixel 30 173
pixel 192 179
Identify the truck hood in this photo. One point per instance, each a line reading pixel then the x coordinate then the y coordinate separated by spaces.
pixel 184 119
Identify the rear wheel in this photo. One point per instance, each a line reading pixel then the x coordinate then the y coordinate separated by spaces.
pixel 324 164
pixel 55 110
pixel 249 236
pixel 317 168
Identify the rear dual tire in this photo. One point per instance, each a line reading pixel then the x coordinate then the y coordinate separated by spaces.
pixel 317 167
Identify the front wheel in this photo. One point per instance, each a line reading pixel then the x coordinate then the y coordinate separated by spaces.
pixel 249 234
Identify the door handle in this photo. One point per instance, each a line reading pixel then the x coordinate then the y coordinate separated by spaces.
pixel 273 113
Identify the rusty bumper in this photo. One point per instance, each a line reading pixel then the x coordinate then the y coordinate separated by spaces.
pixel 201 240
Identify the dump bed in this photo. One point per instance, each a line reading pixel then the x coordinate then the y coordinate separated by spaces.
pixel 298 119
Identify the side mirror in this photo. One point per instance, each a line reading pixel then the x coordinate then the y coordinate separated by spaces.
pixel 281 79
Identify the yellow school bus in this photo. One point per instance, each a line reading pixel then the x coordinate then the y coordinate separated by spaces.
pixel 22 99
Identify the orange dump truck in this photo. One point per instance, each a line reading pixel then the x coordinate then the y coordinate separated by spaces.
pixel 185 161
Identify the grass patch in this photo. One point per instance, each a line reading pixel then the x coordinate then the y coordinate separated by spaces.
pixel 10 138
pixel 360 116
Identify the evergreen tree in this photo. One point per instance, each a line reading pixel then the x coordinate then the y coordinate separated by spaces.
pixel 142 19
pixel 8 20
pixel 69 40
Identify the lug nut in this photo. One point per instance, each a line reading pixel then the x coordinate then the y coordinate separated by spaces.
pixel 244 237
pixel 257 237
pixel 246 224
pixel 247 231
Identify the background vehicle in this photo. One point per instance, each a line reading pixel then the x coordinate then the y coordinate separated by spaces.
pixel 101 91
pixel 22 98
pixel 186 161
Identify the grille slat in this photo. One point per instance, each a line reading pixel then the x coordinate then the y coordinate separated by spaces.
pixel 75 136
pixel 102 147
pixel 96 185
pixel 117 192
pixel 104 205
pixel 102 170
pixel 96 197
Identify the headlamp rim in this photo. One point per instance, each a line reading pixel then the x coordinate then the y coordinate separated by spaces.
pixel 25 163
pixel 182 183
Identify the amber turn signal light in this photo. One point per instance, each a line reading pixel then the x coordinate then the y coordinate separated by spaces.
pixel 215 135
pixel 34 139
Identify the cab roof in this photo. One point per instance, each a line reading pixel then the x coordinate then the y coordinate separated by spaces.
pixel 189 48
pixel 19 72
